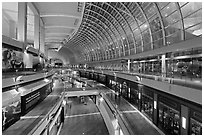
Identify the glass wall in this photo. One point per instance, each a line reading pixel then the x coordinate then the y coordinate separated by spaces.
pixel 169 116
pixel 169 119
pixel 147 102
pixel 140 26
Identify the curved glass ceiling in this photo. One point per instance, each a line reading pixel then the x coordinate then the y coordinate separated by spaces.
pixel 112 30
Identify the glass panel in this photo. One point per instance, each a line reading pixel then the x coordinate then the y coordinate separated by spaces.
pixel 157 35
pixel 125 44
pixel 150 10
pixel 147 106
pixel 193 23
pixel 174 38
pixel 168 9
pixel 162 4
pixel 132 51
pixel 9 25
pixel 30 26
pixel 146 36
pixel 173 28
pixel 155 24
pixel 158 43
pixel 131 41
pixel 193 32
pixel 136 32
pixel 147 47
pixel 140 18
pixel 121 46
pixel 134 97
pixel 169 119
pixel 144 26
pixel 190 8
pixel 195 127
pixel 139 49
pixel 182 3
pixel 171 19
pixel 138 42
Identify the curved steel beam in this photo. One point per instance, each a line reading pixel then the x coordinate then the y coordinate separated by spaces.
pixel 162 23
pixel 97 33
pixel 127 24
pixel 99 42
pixel 77 37
pixel 182 22
pixel 104 28
pixel 117 23
pixel 138 27
pixel 93 35
pixel 150 31
pixel 83 41
pixel 109 28
pixel 101 30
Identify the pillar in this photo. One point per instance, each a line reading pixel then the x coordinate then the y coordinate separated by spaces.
pixel 12 29
pixel 36 32
pixel 163 58
pixel 129 65
pixel 42 41
pixel 155 109
pixel 22 33
pixel 22 22
pixel 184 120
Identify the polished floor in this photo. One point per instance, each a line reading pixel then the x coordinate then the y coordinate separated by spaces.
pixel 83 118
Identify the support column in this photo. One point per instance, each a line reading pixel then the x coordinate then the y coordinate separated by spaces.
pixel 12 29
pixel 42 41
pixel 36 32
pixel 155 109
pixel 22 22
pixel 22 33
pixel 184 120
pixel 129 65
pixel 163 65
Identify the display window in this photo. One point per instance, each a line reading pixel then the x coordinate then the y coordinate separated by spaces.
pixel 195 127
pixel 195 122
pixel 124 90
pixel 169 119
pixel 134 97
pixel 147 106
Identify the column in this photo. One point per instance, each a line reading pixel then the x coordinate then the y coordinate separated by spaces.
pixel 184 120
pixel 155 109
pixel 12 29
pixel 42 41
pixel 129 65
pixel 22 33
pixel 163 65
pixel 22 22
pixel 36 32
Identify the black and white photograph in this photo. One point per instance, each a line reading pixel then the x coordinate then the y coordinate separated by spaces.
pixel 101 67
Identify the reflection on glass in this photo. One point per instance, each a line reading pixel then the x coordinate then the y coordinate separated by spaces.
pixel 134 97
pixel 195 127
pixel 169 119
pixel 147 105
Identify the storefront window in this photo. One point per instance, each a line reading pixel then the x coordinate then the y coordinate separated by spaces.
pixel 124 90
pixel 147 105
pixel 195 127
pixel 169 119
pixel 134 97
